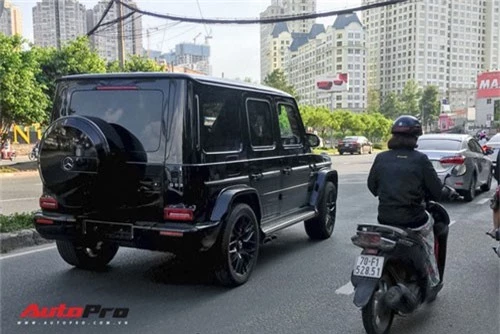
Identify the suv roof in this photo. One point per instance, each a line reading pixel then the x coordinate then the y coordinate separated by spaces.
pixel 200 78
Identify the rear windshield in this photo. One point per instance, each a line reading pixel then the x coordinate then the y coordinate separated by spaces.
pixel 439 144
pixel 139 111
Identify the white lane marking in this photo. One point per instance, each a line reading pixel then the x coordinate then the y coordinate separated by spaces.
pixel 26 253
pixel 18 199
pixel 345 289
pixel 482 201
pixel 348 288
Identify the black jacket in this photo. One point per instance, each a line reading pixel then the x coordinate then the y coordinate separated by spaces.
pixel 403 179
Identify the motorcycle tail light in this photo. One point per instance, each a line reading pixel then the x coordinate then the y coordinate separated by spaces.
pixel 372 240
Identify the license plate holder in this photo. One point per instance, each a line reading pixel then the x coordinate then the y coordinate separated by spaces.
pixel 369 266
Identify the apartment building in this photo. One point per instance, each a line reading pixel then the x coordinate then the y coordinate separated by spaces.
pixel 338 48
pixel 10 19
pixel 56 22
pixel 272 54
pixel 434 42
pixel 105 40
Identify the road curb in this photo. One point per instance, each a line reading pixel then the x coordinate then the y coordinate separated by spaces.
pixel 20 239
pixel 19 173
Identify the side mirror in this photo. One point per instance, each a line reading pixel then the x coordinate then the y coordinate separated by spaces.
pixel 312 139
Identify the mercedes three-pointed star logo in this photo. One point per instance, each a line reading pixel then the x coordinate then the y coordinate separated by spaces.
pixel 68 163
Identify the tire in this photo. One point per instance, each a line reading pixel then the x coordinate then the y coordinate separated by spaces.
pixel 31 156
pixel 341 153
pixel 321 227
pixel 378 320
pixel 84 257
pixel 235 254
pixel 370 151
pixel 487 185
pixel 471 192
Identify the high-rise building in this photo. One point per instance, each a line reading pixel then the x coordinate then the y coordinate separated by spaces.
pixel 192 56
pixel 492 42
pixel 273 51
pixel 105 39
pixel 11 20
pixel 434 42
pixel 296 7
pixel 56 22
pixel 266 58
pixel 340 48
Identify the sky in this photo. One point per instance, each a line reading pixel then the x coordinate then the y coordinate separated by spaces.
pixel 235 49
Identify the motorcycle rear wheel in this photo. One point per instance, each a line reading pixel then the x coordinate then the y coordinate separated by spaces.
pixel 377 319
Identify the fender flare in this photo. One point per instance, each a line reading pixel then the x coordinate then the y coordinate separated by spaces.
pixel 363 289
pixel 323 175
pixel 227 197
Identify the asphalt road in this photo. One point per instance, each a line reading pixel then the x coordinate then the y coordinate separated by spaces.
pixel 298 286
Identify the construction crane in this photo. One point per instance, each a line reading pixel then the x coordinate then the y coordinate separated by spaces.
pixel 195 37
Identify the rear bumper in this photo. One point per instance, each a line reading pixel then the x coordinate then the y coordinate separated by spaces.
pixel 349 149
pixel 168 236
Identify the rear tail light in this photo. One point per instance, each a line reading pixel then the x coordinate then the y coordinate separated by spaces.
pixel 453 160
pixel 47 202
pixel 116 88
pixel 180 214
pixel 372 240
pixel 171 233
pixel 44 221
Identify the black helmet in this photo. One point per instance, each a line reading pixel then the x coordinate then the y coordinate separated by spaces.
pixel 407 125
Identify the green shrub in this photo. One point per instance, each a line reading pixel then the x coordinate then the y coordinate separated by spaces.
pixel 377 146
pixel 16 222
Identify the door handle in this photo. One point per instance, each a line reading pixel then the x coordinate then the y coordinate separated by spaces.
pixel 256 176
pixel 287 170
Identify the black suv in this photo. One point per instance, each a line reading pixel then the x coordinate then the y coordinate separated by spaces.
pixel 178 163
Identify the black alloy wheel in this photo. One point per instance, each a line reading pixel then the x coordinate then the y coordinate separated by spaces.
pixel 237 251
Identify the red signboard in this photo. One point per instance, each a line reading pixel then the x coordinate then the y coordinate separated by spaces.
pixel 488 85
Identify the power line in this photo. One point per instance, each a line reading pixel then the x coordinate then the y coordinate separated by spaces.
pixel 108 7
pixel 268 20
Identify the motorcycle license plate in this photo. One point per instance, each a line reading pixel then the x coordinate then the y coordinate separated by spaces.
pixel 369 266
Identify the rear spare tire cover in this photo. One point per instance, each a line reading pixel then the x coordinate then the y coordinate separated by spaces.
pixel 76 154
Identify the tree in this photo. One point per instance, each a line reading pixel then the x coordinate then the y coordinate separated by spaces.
pixel 373 101
pixel 22 99
pixel 391 107
pixel 142 64
pixel 277 79
pixel 409 98
pixel 429 105
pixel 76 57
pixel 344 121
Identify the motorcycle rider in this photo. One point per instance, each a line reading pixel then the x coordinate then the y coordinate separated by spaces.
pixel 403 179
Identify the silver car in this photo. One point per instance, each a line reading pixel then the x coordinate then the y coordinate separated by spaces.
pixel 462 157
pixel 494 143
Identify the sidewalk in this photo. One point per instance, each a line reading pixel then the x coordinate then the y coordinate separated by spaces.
pixel 21 164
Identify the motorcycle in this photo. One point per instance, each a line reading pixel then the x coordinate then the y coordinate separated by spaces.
pixel 33 155
pixel 396 257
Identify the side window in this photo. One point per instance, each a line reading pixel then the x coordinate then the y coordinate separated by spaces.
pixel 289 125
pixel 474 147
pixel 260 122
pixel 220 119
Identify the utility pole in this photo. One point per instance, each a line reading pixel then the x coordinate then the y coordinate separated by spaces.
pixel 121 43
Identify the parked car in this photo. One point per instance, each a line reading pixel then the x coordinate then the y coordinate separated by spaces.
pixel 355 144
pixel 494 144
pixel 182 163
pixel 462 157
